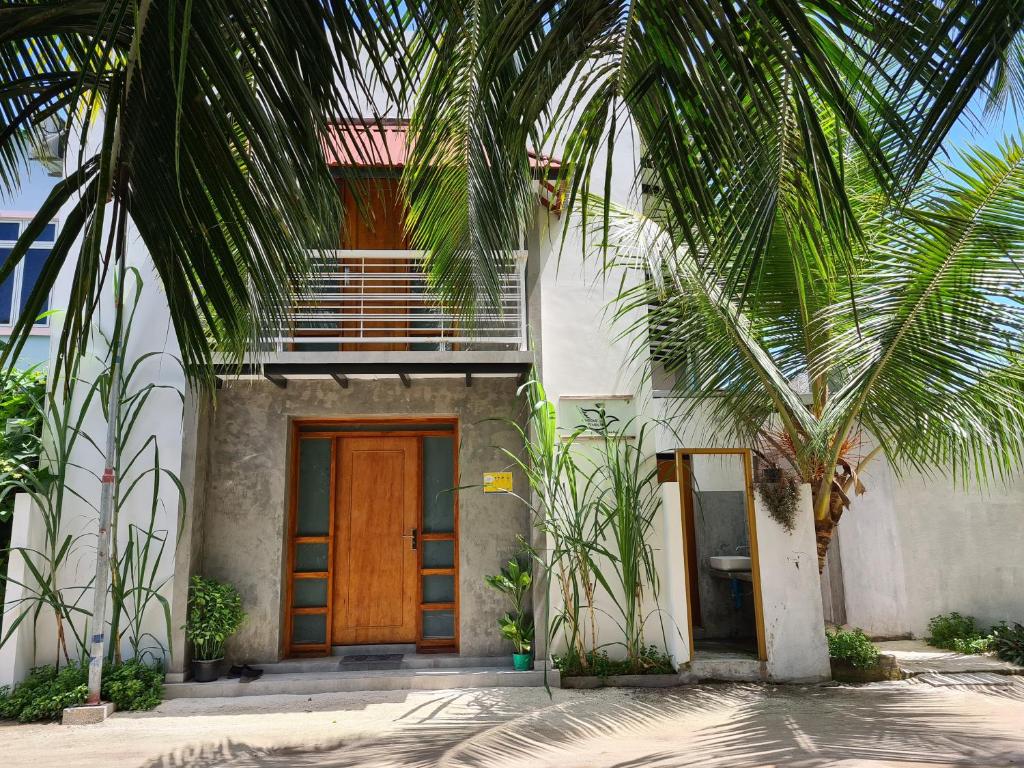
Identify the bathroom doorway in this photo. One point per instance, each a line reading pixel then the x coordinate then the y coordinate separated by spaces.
pixel 720 546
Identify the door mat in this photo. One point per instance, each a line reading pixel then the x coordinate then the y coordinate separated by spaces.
pixel 363 662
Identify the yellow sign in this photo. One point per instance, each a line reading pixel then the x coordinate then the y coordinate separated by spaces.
pixel 497 482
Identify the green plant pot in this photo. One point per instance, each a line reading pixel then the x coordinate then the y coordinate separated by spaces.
pixel 521 662
pixel 206 670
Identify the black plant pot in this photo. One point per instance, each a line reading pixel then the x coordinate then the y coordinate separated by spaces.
pixel 206 671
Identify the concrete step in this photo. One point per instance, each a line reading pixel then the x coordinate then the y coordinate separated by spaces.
pixel 408 661
pixel 309 683
pixel 725 667
pixel 347 650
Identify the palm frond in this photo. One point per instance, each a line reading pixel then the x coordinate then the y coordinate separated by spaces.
pixel 935 362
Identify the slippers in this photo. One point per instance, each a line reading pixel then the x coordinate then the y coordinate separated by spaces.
pixel 235 672
pixel 248 674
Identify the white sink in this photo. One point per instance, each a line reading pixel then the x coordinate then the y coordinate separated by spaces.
pixel 729 562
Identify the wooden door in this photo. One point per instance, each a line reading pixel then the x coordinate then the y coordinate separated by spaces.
pixel 375 564
pixel 375 222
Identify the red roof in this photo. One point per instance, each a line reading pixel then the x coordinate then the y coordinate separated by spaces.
pixel 359 144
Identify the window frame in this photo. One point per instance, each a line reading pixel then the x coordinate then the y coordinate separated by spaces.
pixel 40 327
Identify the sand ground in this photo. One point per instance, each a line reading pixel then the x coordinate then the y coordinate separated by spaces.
pixel 908 723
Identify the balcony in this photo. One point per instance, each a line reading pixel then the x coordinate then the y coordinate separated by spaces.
pixel 371 312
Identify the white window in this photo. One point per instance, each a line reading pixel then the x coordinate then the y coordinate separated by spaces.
pixel 18 287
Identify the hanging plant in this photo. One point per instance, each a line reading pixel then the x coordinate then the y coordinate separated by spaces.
pixel 780 493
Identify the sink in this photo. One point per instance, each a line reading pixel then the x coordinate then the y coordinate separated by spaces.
pixel 729 562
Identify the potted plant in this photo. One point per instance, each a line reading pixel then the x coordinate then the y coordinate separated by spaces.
pixel 514 582
pixel 214 614
pixel 518 629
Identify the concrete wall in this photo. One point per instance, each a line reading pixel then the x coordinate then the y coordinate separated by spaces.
pixel 18 655
pixel 244 522
pixel 720 525
pixel 791 595
pixel 918 546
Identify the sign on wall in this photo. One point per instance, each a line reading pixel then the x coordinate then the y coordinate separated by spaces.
pixel 586 412
pixel 497 482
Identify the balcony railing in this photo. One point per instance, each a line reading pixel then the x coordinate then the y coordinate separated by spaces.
pixel 369 300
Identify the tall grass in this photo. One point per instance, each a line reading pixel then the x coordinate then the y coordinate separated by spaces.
pixel 597 517
pixel 135 584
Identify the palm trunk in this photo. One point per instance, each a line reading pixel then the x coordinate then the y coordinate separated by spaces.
pixel 823 529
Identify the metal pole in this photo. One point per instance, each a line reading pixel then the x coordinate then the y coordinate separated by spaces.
pixel 99 605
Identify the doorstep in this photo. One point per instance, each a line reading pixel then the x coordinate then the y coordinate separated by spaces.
pixel 308 683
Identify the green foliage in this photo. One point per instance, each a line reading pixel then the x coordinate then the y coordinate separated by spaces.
pixel 1008 642
pixel 133 685
pixel 782 498
pixel 517 628
pixel 222 146
pixel 514 582
pixel 649 661
pixel 852 646
pixel 47 691
pixel 956 632
pixel 214 614
pixel 21 423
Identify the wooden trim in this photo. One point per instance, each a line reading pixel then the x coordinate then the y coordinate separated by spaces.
pixel 429 429
pixel 381 433
pixel 755 564
pixel 438 536
pixel 288 647
pixel 685 482
pixel 358 420
pixel 685 500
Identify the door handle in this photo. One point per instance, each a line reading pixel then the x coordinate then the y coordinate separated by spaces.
pixel 411 536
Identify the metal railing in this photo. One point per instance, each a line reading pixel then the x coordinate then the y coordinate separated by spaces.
pixel 365 300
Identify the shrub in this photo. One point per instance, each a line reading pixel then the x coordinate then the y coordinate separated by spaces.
pixel 852 646
pixel 1008 642
pixel 651 661
pixel 46 691
pixel 134 685
pixel 214 614
pixel 956 632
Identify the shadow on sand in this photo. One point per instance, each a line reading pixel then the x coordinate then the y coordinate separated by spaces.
pixel 739 726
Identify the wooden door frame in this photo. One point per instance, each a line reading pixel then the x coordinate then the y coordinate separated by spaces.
pixel 755 565
pixel 421 426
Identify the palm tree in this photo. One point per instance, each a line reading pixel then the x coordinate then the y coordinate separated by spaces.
pixel 729 101
pixel 205 126
pixel 907 345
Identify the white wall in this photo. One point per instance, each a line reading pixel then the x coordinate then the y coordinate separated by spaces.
pixel 18 655
pixel 791 595
pixel 919 546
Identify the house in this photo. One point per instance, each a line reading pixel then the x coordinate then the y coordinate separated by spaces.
pixel 338 479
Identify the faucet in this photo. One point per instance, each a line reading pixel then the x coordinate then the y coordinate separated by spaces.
pixel 742 547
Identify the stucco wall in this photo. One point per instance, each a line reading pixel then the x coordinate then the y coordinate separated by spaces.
pixel 247 481
pixel 791 595
pixel 919 546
